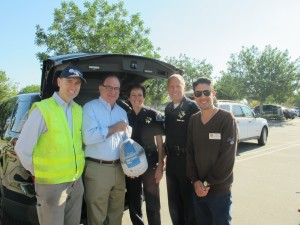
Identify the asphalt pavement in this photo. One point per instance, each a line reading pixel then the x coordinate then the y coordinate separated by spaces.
pixel 266 188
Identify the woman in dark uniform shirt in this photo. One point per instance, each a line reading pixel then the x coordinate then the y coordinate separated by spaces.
pixel 147 130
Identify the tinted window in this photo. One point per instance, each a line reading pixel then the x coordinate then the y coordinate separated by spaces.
pixel 237 111
pixel 267 108
pixel 20 115
pixel 6 109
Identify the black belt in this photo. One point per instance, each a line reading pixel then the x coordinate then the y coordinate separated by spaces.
pixel 100 161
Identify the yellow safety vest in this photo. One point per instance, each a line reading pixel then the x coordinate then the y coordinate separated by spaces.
pixel 58 156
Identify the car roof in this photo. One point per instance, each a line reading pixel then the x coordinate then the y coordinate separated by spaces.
pixel 222 102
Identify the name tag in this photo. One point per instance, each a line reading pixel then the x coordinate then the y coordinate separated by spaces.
pixel 214 136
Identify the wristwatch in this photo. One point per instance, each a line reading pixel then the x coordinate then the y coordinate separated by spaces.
pixel 206 184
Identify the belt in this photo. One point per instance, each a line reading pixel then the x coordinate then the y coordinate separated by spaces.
pixel 100 161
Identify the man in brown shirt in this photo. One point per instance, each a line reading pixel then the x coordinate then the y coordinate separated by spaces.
pixel 211 150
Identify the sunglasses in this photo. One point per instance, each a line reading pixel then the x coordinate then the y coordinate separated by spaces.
pixel 199 93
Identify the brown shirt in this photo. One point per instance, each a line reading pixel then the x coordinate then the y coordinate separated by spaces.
pixel 211 150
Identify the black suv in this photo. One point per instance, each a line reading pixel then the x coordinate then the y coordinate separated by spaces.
pixel 17 195
pixel 270 111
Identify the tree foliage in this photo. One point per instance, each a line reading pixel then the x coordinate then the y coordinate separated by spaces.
pixel 256 75
pixel 7 88
pixel 30 89
pixel 100 27
pixel 192 68
pixel 156 92
pixel 228 88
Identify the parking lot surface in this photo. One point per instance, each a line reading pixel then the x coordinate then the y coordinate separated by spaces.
pixel 266 188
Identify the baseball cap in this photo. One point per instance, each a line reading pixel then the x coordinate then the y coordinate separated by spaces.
pixel 72 71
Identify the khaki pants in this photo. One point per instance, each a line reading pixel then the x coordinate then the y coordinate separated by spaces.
pixel 59 204
pixel 104 193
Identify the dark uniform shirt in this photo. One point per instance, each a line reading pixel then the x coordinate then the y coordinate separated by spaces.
pixel 177 120
pixel 145 125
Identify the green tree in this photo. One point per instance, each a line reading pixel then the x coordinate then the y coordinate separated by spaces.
pixel 192 68
pixel 258 75
pixel 7 88
pixel 297 100
pixel 156 92
pixel 30 89
pixel 101 27
pixel 227 88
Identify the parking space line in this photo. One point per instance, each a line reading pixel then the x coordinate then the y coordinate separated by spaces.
pixel 269 152
pixel 268 148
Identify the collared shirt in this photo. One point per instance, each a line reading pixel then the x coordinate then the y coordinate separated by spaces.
pixel 35 126
pixel 98 116
pixel 147 124
pixel 177 120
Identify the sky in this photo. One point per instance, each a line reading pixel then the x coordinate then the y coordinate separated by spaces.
pixel 208 30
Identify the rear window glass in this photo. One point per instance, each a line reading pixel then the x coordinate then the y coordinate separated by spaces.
pixel 20 115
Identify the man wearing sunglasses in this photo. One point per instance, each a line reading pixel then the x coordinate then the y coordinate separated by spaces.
pixel 177 115
pixel 211 150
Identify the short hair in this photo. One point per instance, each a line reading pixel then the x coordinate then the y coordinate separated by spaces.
pixel 202 80
pixel 107 76
pixel 178 76
pixel 136 86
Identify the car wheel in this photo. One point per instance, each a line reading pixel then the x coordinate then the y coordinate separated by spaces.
pixel 263 136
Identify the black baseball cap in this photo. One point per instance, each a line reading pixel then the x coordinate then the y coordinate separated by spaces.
pixel 72 71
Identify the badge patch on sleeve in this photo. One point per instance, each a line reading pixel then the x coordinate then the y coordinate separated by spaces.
pixel 230 140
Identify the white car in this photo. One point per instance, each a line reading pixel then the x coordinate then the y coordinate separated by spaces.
pixel 249 125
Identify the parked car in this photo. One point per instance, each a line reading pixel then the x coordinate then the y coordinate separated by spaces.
pixel 270 111
pixel 298 110
pixel 17 195
pixel 249 125
pixel 289 113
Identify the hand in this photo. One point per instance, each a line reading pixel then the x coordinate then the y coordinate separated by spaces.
pixel 200 189
pixel 120 126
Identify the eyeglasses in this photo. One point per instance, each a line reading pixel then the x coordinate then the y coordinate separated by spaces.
pixel 199 93
pixel 110 88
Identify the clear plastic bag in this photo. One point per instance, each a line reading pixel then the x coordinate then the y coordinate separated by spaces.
pixel 133 158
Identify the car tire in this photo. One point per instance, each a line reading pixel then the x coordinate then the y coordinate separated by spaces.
pixel 263 136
